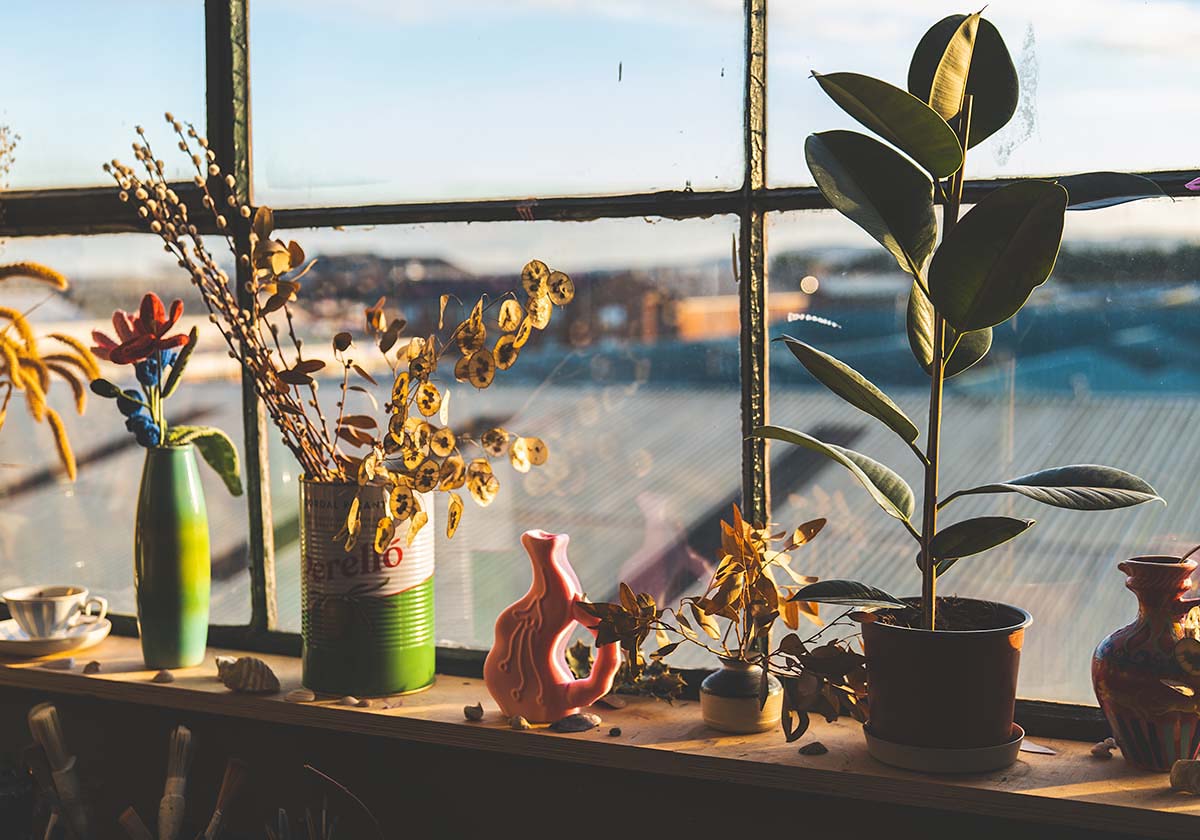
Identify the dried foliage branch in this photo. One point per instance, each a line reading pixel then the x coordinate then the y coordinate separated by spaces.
pixel 406 454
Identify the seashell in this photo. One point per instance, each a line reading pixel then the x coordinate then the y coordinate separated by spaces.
pixel 163 677
pixel 247 675
pixel 518 722
pixel 92 667
pixel 301 695
pixel 348 700
pixel 581 722
pixel 473 712
pixel 60 664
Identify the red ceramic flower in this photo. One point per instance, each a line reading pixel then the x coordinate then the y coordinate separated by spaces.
pixel 140 337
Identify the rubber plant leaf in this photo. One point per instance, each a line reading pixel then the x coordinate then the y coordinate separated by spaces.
pixel 216 448
pixel 849 593
pixel 998 253
pixel 899 118
pixel 1076 487
pixel 970 349
pixel 889 490
pixel 852 387
pixel 879 190
pixel 973 536
pixel 1095 190
pixel 991 78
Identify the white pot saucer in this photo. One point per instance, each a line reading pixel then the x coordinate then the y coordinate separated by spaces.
pixel 15 642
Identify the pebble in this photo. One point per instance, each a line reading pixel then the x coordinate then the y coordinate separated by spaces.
pixel 301 695
pixel 60 664
pixel 581 722
pixel 473 712
pixel 349 700
pixel 815 748
pixel 163 677
pixel 519 722
pixel 612 701
pixel 615 732
pixel 1104 748
pixel 363 704
pixel 92 667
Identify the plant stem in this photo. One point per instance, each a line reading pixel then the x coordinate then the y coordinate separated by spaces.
pixel 937 381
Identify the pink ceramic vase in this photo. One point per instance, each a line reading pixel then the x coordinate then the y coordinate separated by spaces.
pixel 526 670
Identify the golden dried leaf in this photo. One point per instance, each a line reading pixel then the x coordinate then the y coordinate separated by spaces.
pixel 429 399
pixel 425 476
pixel 538 451
pixel 561 288
pixel 358 421
pixel 494 441
pixel 518 455
pixel 441 443
pixel 506 352
pixel 354 517
pixel 445 299
pixel 523 333
pixel 416 524
pixel 363 374
pixel 707 623
pixel 401 503
pixel 453 473
pixel 454 512
pixel 534 278
pixel 391 335
pixel 510 315
pixel 482 368
pixel 385 531
pixel 539 310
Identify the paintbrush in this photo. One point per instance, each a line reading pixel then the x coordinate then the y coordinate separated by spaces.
pixel 173 803
pixel 46 728
pixel 236 772
pixel 133 825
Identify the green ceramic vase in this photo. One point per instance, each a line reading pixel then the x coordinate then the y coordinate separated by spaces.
pixel 172 563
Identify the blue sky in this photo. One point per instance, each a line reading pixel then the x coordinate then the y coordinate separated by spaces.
pixel 391 100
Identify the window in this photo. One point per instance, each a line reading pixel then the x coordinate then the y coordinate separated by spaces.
pixel 427 147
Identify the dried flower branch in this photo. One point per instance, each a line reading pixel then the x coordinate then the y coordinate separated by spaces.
pixel 407 453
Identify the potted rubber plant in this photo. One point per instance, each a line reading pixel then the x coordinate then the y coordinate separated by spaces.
pixel 371 467
pixel 942 672
pixel 172 562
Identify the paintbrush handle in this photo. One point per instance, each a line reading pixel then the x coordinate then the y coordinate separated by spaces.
pixel 170 816
pixel 214 825
pixel 134 827
pixel 66 782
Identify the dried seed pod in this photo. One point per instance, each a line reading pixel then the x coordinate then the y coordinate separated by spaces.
pixel 518 455
pixel 561 288
pixel 425 477
pixel 494 442
pixel 539 453
pixel 453 514
pixel 506 352
pixel 429 399
pixel 462 369
pixel 415 524
pixel 442 442
pixel 539 311
pixel 510 315
pixel 401 503
pixel 470 336
pixel 522 334
pixel 247 675
pixel 481 368
pixel 453 473
pixel 534 278
pixel 385 532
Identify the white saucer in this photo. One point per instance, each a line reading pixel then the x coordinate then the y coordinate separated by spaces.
pixel 15 642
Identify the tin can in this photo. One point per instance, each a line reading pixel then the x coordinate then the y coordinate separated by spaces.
pixel 367 617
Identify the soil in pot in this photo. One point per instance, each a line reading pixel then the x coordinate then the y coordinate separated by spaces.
pixel 953 687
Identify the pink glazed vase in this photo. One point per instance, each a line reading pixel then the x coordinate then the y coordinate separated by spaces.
pixel 526 670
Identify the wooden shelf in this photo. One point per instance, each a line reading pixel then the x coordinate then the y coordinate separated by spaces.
pixel 1070 788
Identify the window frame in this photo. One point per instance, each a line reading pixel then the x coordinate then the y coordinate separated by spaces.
pixel 96 210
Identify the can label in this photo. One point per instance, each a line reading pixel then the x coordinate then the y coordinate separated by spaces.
pixel 332 571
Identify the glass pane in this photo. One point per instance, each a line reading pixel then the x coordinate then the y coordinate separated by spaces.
pixel 1102 90
pixel 52 531
pixel 89 72
pixel 630 382
pixel 414 101
pixel 1100 367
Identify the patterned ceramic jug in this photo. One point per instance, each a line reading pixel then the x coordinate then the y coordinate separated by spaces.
pixel 1133 669
pixel 526 670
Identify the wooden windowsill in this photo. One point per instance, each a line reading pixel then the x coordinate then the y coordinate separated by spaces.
pixel 1070 788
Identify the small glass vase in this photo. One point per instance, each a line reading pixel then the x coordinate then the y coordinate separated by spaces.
pixel 172 563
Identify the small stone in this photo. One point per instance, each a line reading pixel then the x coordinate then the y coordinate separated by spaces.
pixel 393 703
pixel 815 748
pixel 612 701
pixel 301 695
pixel 519 722
pixel 163 677
pixel 363 704
pixel 473 712
pixel 581 722
pixel 1104 748
pixel 348 700
pixel 615 732
pixel 60 664
pixel 92 667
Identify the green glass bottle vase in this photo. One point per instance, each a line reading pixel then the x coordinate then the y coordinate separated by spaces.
pixel 172 564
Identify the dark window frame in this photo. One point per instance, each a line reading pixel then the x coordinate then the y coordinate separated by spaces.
pixel 85 211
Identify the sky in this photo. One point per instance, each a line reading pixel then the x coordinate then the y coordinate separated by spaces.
pixel 369 101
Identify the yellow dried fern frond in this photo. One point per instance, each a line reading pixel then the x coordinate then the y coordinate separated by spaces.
pixel 91 367
pixel 61 442
pixel 34 363
pixel 34 271
pixel 7 313
pixel 35 396
pixel 68 375
pixel 12 363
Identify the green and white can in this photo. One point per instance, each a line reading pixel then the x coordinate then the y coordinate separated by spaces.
pixel 368 617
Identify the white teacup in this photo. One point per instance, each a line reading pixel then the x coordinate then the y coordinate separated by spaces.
pixel 50 612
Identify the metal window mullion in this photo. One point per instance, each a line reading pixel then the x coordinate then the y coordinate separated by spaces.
pixel 752 268
pixel 228 92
